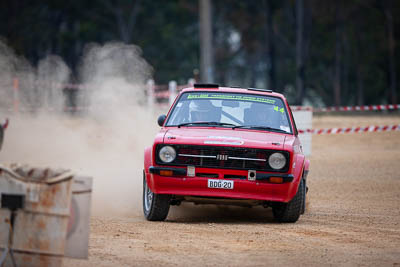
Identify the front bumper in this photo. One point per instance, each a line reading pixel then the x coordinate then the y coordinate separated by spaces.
pixel 261 189
pixel 287 178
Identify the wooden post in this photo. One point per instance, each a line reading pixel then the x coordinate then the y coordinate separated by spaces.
pixel 172 91
pixel 150 93
pixel 16 95
pixel 191 82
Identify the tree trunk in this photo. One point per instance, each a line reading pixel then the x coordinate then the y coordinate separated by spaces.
pixel 125 25
pixel 346 65
pixel 206 48
pixel 338 58
pixel 358 55
pixel 269 47
pixel 391 49
pixel 299 52
pixel 360 86
pixel 252 63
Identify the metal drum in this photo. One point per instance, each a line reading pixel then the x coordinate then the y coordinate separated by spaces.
pixel 35 209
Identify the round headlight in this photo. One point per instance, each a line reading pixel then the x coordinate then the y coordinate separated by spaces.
pixel 277 161
pixel 167 154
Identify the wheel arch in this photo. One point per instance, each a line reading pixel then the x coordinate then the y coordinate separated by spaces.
pixel 300 164
pixel 306 169
pixel 147 159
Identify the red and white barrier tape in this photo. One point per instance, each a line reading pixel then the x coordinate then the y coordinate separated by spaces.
pixel 301 108
pixel 161 91
pixel 349 108
pixel 167 93
pixel 365 129
pixel 164 94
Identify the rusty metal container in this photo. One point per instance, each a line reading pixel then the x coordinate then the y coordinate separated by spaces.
pixel 77 244
pixel 40 224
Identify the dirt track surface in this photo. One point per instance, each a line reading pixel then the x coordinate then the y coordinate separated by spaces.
pixel 353 216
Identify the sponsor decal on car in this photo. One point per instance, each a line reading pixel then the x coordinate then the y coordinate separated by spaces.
pixel 226 140
pixel 231 97
pixel 281 110
pixel 216 142
pixel 224 137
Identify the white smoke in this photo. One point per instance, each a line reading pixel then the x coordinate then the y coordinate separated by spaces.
pixel 116 74
pixel 11 67
pixel 52 73
pixel 105 142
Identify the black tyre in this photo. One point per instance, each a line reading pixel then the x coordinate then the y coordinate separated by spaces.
pixel 155 206
pixel 291 211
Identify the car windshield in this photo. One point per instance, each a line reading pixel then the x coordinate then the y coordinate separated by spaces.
pixel 235 110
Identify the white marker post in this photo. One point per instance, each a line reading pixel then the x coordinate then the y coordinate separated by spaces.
pixel 16 95
pixel 150 93
pixel 303 119
pixel 191 82
pixel 172 91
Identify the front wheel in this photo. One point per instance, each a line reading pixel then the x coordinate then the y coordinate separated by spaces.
pixel 155 206
pixel 291 211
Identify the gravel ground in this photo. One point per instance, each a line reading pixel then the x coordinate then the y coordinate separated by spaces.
pixel 352 217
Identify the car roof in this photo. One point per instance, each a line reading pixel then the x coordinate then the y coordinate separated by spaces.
pixel 253 91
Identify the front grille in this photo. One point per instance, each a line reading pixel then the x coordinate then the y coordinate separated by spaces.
pixel 223 157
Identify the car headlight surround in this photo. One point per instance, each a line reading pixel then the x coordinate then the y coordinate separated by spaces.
pixel 277 161
pixel 167 154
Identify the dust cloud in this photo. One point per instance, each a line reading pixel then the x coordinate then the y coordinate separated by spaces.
pixel 105 141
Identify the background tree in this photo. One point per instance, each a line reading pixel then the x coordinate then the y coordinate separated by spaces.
pixel 338 53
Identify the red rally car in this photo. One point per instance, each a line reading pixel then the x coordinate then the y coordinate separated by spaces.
pixel 221 145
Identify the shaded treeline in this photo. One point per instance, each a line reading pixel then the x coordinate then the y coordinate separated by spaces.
pixel 340 52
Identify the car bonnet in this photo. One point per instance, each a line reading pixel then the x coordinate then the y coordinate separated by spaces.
pixel 225 137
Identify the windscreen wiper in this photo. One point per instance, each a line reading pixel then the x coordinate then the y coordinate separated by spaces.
pixel 255 127
pixel 208 123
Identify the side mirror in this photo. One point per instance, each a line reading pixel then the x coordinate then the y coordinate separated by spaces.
pixel 161 120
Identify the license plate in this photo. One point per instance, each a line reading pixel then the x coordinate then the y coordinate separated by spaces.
pixel 223 184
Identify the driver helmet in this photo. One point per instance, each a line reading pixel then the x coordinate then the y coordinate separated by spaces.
pixel 264 114
pixel 200 110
